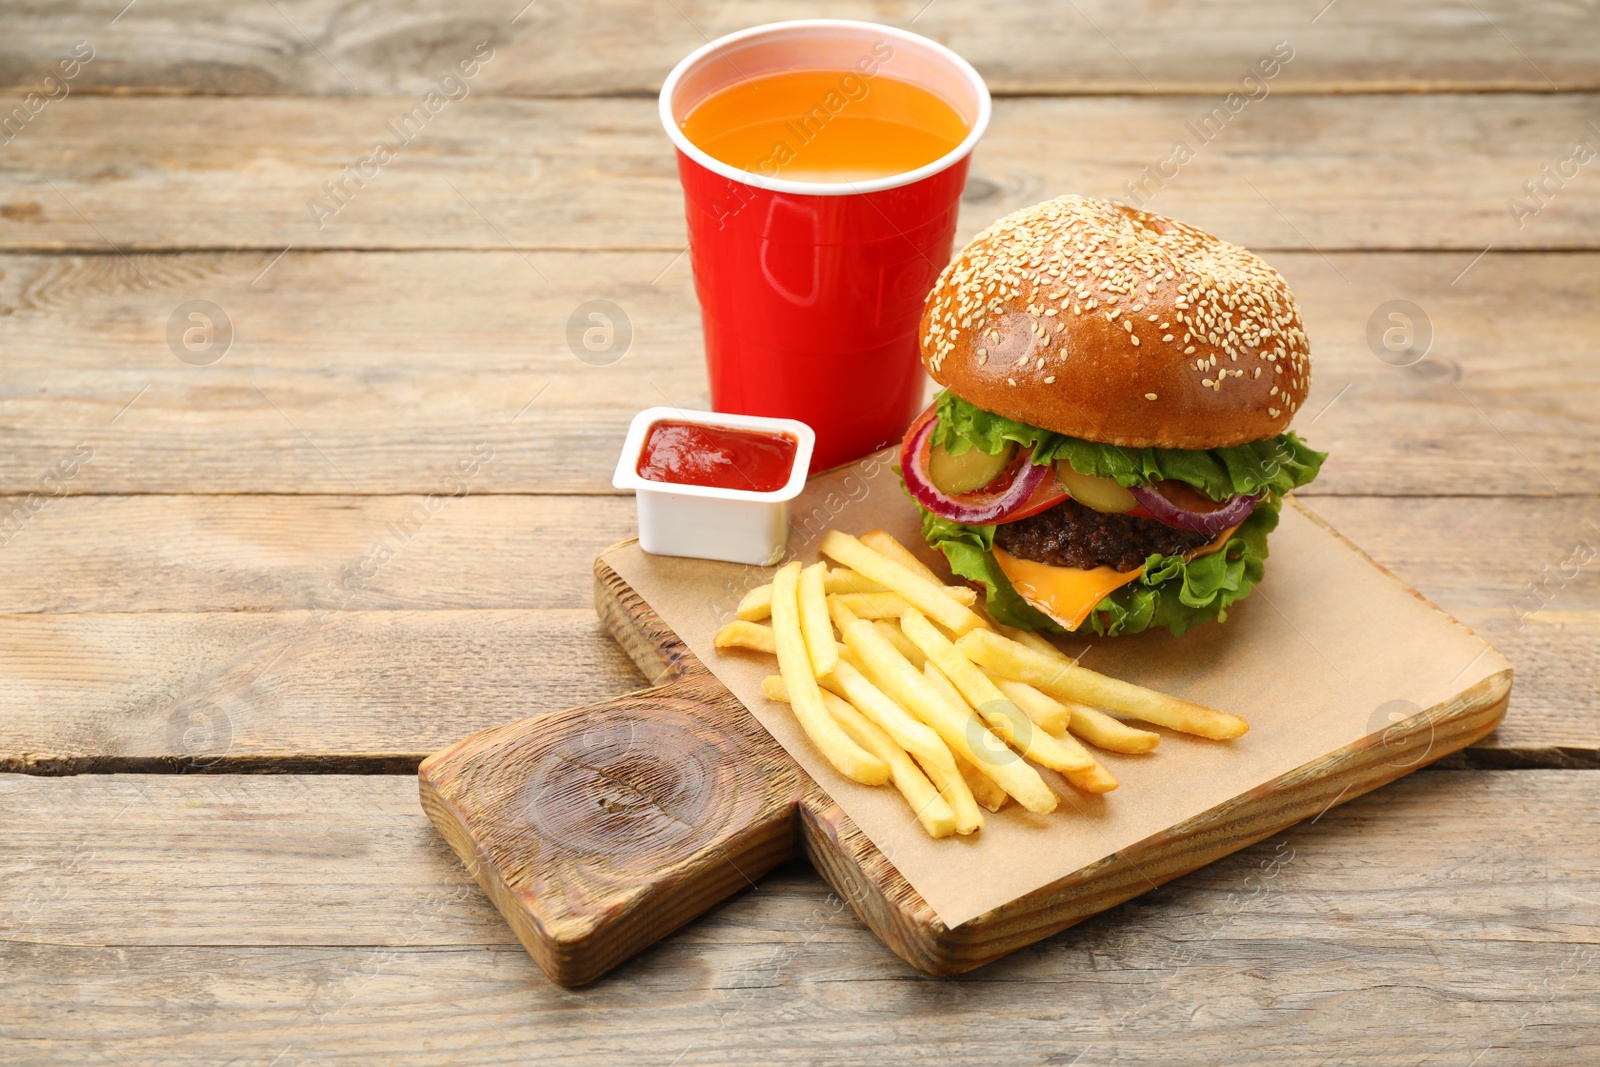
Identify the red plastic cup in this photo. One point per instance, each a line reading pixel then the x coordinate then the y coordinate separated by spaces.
pixel 811 292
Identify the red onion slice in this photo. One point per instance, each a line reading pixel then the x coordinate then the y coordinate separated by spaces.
pixel 972 509
pixel 1234 511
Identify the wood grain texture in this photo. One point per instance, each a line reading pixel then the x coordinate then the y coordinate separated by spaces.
pixel 598 831
pixel 421 358
pixel 627 46
pixel 206 919
pixel 201 554
pixel 234 917
pixel 240 691
pixel 1506 569
pixel 121 612
pixel 1287 172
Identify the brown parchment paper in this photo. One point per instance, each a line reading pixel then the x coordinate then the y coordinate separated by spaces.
pixel 1327 650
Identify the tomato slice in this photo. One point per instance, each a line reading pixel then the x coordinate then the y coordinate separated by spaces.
pixel 1050 493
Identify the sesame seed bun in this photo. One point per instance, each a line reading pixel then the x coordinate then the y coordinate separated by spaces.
pixel 1115 325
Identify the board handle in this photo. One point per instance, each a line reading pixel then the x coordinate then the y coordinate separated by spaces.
pixel 598 830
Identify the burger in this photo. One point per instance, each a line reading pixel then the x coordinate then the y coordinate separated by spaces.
pixel 1111 447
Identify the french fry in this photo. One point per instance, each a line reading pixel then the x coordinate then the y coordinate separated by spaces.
pixel 927 800
pixel 845 580
pixel 814 622
pixel 751 635
pixel 884 543
pixel 964 594
pixel 794 664
pixel 1091 724
pixel 958 794
pixel 1093 777
pixel 1094 780
pixel 1036 641
pixel 842 616
pixel 926 691
pixel 1063 679
pixel 874 605
pixel 757 603
pixel 983 696
pixel 927 804
pixel 899 640
pixel 1089 775
pixel 1114 735
pixel 927 597
pixel 940 682
pixel 1042 708
pixel 984 790
pixel 958 727
pixel 911 734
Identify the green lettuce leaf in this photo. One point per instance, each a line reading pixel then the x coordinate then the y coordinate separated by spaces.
pixel 1278 464
pixel 967 550
pixel 1172 592
pixel 1180 595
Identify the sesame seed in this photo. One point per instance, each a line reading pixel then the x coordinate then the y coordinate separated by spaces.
pixel 1149 396
pixel 1100 255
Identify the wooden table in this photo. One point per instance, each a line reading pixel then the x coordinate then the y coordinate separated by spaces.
pixel 234 619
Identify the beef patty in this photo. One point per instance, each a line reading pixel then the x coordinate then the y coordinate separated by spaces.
pixel 1071 535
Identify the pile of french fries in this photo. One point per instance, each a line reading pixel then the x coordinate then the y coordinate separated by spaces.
pixel 898 677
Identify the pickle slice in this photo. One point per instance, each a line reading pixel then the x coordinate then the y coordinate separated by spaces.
pixel 971 470
pixel 1101 494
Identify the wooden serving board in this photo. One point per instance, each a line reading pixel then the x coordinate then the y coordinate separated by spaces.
pixel 598 830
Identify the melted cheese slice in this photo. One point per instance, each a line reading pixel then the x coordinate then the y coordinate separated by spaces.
pixel 1068 594
pixel 1065 594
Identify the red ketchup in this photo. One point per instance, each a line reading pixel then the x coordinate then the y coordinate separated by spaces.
pixel 687 453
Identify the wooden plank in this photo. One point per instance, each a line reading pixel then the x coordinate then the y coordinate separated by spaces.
pixel 359 690
pixel 200 918
pixel 1515 572
pixel 1287 172
pixel 226 582
pixel 627 46
pixel 383 392
pixel 597 831
pixel 309 553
